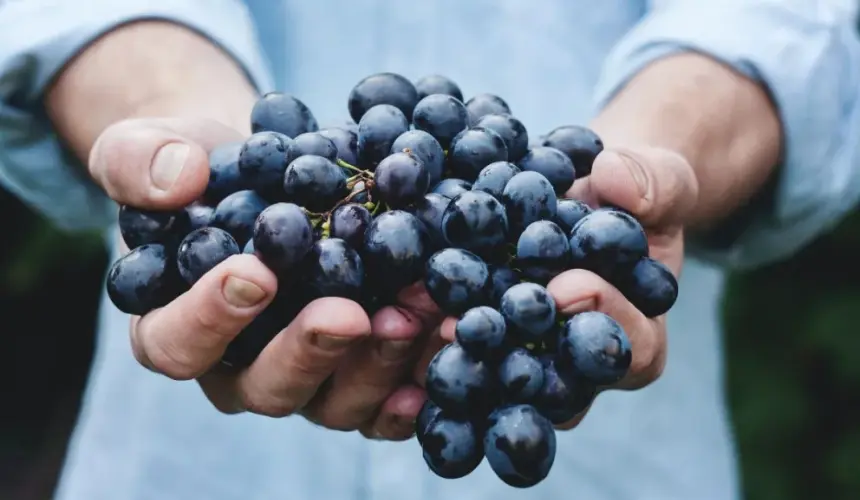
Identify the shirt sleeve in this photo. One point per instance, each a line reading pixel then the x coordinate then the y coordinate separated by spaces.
pixel 37 38
pixel 807 54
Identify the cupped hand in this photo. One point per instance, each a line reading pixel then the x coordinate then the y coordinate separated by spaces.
pixel 333 364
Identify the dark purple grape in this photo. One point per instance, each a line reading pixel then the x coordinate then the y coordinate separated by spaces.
pixel 511 130
pixel 199 215
pixel 346 142
pixel 528 197
pixel 334 270
pixel 450 188
pixel 521 376
pixel 142 227
pixel 262 162
pixel 452 448
pixel 494 177
pixel 237 213
pixel 608 243
pixel 481 332
pixel 282 113
pixel 650 286
pixel 442 116
pixel 562 398
pixel 400 180
pixel 202 250
pixel 543 251
pixel 426 148
pixel 315 183
pixel 224 176
pixel 529 312
pixel 593 346
pixel 457 280
pixel 395 251
pixel 382 88
pixel 429 412
pixel 311 143
pixel 475 221
pixel 520 445
pixel 144 279
pixel 460 384
pixel 349 223
pixel 377 131
pixel 283 236
pixel 486 104
pixel 430 210
pixel 502 278
pixel 437 84
pixel 473 149
pixel 580 144
pixel 569 212
pixel 552 164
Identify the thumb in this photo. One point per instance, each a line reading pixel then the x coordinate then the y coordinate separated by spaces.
pixel 157 164
pixel 655 185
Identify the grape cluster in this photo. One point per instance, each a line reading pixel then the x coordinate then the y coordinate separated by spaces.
pixel 420 186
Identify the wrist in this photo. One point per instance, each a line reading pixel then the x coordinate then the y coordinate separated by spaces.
pixel 722 123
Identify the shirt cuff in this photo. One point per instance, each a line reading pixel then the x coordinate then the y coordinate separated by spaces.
pixel 37 38
pixel 810 64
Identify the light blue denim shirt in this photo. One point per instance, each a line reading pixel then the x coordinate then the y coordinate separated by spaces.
pixel 144 437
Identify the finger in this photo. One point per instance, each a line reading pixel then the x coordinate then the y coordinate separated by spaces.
pixel 396 419
pixel 293 366
pixel 579 290
pixel 376 367
pixel 156 163
pixel 658 187
pixel 186 337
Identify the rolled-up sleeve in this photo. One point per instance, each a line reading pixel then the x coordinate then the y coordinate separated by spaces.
pixel 807 54
pixel 37 38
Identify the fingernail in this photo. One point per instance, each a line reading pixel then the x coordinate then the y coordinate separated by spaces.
pixel 581 306
pixel 168 164
pixel 331 343
pixel 241 293
pixel 392 350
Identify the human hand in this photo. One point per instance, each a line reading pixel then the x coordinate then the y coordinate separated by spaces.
pixel 332 364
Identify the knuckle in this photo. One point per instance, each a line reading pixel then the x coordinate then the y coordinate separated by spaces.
pixel 215 320
pixel 268 406
pixel 172 362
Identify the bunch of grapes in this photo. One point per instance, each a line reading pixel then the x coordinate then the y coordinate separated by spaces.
pixel 420 186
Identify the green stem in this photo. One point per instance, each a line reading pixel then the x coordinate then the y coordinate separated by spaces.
pixel 347 166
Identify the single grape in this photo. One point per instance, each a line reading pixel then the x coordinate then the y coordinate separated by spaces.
pixel 477 222
pixel 349 125
pixel 486 104
pixel 349 222
pixel 552 164
pixel 437 84
pixel 457 280
pixel 282 113
pixel 521 376
pixel 224 176
pixel 202 250
pixel 473 149
pixel 199 216
pixel 529 312
pixel 528 197
pixel 429 412
pixel 450 188
pixel 315 183
pixel 511 130
pixel 400 180
pixel 593 346
pixel 460 384
pixel 334 270
pixel 311 143
pixel 430 210
pixel 650 286
pixel 481 332
pixel 502 278
pixel 382 88
pixel 608 243
pixel 380 126
pixel 494 177
pixel 452 448
pixel 283 236
pixel 520 445
pixel 262 162
pixel 395 251
pixel 346 142
pixel 569 212
pixel 426 148
pixel 141 227
pixel 144 279
pixel 442 116
pixel 562 398
pixel 237 213
pixel 543 251
pixel 580 144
